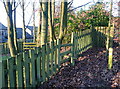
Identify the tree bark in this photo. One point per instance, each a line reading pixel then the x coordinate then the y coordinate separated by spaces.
pixel 44 25
pixel 34 35
pixel 15 33
pixel 63 21
pixel 23 12
pixel 50 20
pixel 10 29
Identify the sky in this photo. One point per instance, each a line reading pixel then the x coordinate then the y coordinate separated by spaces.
pixel 28 13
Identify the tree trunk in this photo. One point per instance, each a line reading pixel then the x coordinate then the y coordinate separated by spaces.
pixel 39 27
pixel 23 12
pixel 34 36
pixel 63 21
pixel 53 11
pixel 50 20
pixel 44 26
pixel 10 29
pixel 15 33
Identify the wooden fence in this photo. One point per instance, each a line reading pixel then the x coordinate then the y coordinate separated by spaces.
pixel 33 67
pixel 5 49
pixel 21 47
pixel 28 46
pixel 100 35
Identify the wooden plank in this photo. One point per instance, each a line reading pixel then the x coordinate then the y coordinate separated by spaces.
pixel 29 48
pixel 55 55
pixel 12 74
pixel 38 63
pixel 29 43
pixel 32 56
pixel 27 68
pixel 48 59
pixel 83 49
pixel 80 42
pixel 58 52
pixel 66 60
pixel 65 53
pixel 72 49
pixel 43 64
pixel 75 40
pixel 63 45
pixel 1 74
pixel 3 49
pixel 20 46
pixel 51 56
pixel 20 70
pixel 84 41
pixel 4 74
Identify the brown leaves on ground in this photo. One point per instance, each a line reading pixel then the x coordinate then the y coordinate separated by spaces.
pixel 90 70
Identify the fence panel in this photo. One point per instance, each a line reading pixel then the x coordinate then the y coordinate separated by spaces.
pixel 33 67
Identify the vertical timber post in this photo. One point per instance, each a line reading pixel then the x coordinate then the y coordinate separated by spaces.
pixel 110 58
pixel 1 74
pixel 72 48
pixel 58 52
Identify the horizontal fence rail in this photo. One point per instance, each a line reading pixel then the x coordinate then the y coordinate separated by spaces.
pixel 28 46
pixel 21 47
pixel 33 67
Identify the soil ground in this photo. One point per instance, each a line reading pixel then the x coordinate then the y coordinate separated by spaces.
pixel 90 70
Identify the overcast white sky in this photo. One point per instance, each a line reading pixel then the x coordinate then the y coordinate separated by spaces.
pixel 3 16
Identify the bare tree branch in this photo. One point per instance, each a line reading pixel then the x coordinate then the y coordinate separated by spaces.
pixel 70 4
pixel 5 7
pixel 79 7
pixel 16 6
pixel 27 5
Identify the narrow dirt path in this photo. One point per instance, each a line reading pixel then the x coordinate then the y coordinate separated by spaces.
pixel 90 70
